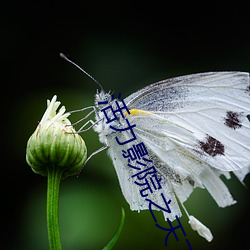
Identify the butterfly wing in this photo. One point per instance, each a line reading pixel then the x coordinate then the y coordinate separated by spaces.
pixel 211 106
pixel 130 190
pixel 195 128
pixel 174 154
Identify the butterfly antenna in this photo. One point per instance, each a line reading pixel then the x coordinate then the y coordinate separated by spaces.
pixel 86 73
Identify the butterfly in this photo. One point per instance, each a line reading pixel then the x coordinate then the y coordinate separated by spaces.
pixel 195 128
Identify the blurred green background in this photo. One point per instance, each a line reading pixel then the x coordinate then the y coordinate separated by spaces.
pixel 125 47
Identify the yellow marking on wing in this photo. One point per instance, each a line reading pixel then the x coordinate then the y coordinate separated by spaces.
pixel 138 112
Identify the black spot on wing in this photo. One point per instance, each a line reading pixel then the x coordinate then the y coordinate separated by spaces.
pixel 233 119
pixel 191 181
pixel 212 146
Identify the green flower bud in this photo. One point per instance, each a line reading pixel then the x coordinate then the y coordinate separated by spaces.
pixel 55 144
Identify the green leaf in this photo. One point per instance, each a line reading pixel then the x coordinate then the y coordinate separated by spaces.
pixel 117 234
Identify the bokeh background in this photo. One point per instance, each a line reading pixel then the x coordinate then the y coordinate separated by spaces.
pixel 125 45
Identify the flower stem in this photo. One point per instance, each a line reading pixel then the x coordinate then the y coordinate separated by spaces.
pixel 54 177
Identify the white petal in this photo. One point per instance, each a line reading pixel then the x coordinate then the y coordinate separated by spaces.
pixel 51 114
pixel 202 230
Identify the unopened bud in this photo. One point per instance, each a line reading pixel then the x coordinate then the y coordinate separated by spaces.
pixel 55 143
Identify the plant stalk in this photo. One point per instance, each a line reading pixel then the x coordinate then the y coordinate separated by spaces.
pixel 54 178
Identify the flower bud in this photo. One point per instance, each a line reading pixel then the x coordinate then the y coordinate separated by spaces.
pixel 55 144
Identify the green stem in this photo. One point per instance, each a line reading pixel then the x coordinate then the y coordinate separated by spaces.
pixel 54 177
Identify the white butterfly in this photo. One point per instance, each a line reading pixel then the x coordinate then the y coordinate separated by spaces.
pixel 195 128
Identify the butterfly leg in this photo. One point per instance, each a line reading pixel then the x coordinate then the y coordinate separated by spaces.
pixel 92 154
pixel 96 152
pixel 83 129
pixel 84 125
pixel 83 109
pixel 85 117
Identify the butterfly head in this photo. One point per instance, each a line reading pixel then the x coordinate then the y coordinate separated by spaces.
pixel 103 99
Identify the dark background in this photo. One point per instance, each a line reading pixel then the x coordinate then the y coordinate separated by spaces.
pixel 125 45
